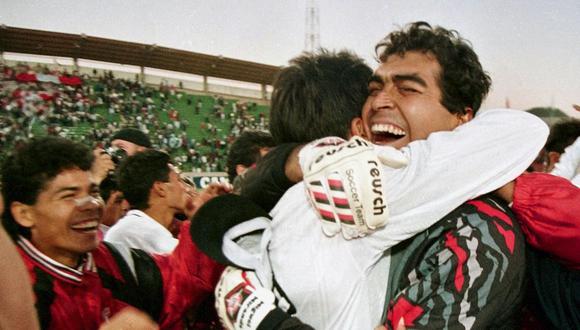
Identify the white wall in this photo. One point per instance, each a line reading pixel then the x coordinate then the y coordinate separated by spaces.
pixel 152 76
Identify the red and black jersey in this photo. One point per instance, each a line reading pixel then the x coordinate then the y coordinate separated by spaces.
pixel 112 277
pixel 466 271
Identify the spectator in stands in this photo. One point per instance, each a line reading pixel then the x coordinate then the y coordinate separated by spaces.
pixel 60 110
pixel 244 153
pixel 198 107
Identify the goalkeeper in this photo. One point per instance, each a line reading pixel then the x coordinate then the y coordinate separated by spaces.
pixel 336 283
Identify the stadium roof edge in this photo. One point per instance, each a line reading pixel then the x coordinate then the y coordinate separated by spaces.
pixel 81 46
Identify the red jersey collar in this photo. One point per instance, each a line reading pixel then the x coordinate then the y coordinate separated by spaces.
pixel 56 268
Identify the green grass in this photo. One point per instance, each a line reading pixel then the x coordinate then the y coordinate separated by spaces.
pixel 187 112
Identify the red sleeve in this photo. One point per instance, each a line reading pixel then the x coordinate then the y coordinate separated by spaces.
pixel 189 277
pixel 548 208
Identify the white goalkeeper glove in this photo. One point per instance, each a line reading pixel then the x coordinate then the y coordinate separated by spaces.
pixel 344 180
pixel 242 303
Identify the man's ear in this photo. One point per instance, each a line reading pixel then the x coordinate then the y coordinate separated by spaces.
pixel 159 188
pixel 466 116
pixel 357 128
pixel 22 214
pixel 553 159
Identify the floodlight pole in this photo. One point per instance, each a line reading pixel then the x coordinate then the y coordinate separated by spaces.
pixel 312 27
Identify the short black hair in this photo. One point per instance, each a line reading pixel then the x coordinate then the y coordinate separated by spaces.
pixel 463 82
pixel 139 172
pixel 563 134
pixel 246 150
pixel 318 95
pixel 27 171
pixel 108 186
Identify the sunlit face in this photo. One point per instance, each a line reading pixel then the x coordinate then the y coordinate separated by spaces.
pixel 129 147
pixel 404 104
pixel 189 207
pixel 177 195
pixel 64 220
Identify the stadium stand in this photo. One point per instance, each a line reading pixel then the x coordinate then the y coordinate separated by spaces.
pixel 195 127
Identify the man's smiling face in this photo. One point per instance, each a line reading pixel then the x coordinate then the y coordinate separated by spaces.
pixel 404 102
pixel 64 219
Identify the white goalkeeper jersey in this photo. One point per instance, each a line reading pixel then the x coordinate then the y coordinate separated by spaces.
pixel 340 284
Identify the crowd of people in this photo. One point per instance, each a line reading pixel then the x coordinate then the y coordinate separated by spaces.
pixel 401 205
pixel 37 101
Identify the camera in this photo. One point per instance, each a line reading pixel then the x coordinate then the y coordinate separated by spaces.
pixel 117 154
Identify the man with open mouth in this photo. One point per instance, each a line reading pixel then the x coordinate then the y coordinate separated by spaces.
pixel 53 211
pixel 422 97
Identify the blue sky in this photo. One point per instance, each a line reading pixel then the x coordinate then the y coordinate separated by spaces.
pixel 530 48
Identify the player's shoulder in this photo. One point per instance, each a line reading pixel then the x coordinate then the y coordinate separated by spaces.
pixel 488 208
pixel 290 202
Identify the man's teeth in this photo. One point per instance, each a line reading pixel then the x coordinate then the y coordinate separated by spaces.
pixel 86 225
pixel 387 128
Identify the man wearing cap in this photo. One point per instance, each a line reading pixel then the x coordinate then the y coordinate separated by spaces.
pixel 129 141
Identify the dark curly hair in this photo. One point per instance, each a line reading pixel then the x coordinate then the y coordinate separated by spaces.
pixel 30 167
pixel 462 81
pixel 138 173
pixel 318 95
